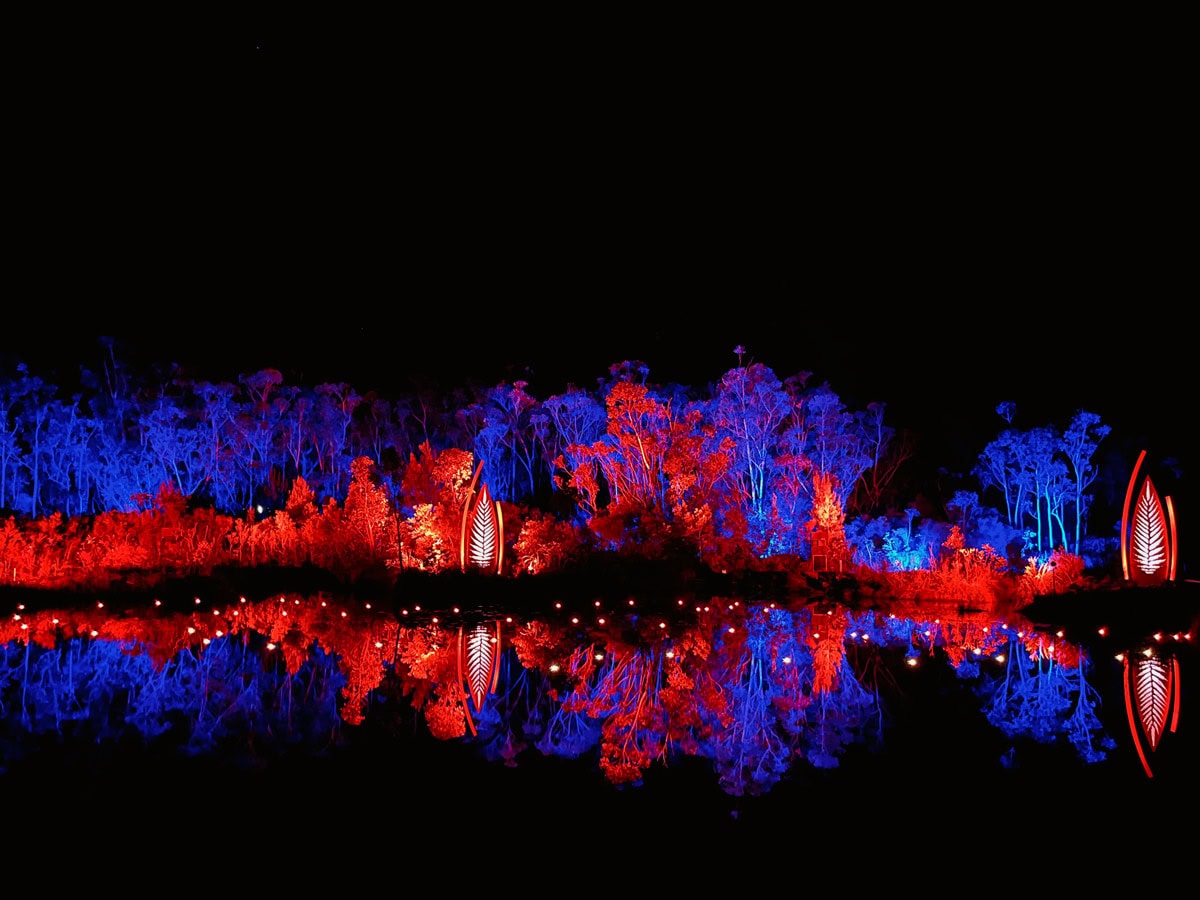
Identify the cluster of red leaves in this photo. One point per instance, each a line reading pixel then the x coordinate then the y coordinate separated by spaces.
pixel 545 544
pixel 537 645
pixel 446 715
pixel 1061 572
pixel 677 700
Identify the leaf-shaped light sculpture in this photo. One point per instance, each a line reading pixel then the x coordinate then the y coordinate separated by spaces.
pixel 1151 693
pixel 1148 538
pixel 478 666
pixel 1151 682
pixel 482 542
pixel 481 546
pixel 1149 544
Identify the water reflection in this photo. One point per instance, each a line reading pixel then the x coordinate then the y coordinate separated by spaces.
pixel 757 691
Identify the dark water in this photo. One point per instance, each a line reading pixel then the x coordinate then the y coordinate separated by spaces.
pixel 176 727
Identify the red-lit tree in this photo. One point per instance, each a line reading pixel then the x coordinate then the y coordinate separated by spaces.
pixel 434 488
pixel 370 516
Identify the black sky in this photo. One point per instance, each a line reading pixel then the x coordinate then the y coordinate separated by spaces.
pixel 935 221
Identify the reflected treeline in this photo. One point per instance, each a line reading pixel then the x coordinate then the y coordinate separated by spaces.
pixel 756 689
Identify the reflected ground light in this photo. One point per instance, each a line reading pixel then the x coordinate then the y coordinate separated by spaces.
pixel 925 742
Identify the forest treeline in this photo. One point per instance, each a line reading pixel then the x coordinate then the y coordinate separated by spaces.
pixel 751 466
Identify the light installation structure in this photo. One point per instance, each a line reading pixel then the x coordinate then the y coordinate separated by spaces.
pixel 481 549
pixel 1149 555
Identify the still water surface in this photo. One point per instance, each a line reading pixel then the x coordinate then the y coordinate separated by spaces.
pixel 724 710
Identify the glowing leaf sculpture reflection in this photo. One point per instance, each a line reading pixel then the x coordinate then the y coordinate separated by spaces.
pixel 478 666
pixel 1151 693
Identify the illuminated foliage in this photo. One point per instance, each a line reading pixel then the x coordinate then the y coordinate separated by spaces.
pixel 369 514
pixel 647 474
pixel 435 487
pixel 546 544
pixel 1061 572
pixel 755 690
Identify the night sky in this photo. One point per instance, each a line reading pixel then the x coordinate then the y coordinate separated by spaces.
pixel 939 226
